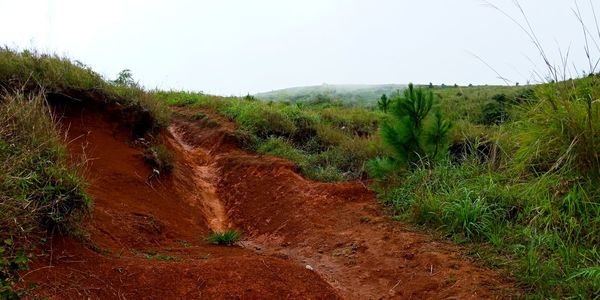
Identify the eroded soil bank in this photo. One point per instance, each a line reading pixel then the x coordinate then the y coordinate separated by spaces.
pixel 302 239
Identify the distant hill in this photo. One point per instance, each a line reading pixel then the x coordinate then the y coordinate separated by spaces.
pixel 350 93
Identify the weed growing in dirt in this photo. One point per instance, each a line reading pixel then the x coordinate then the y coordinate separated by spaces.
pixel 160 158
pixel 228 237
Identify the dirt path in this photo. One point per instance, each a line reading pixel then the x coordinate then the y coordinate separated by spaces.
pixel 303 240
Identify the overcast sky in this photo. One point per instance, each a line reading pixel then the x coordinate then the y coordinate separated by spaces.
pixel 240 46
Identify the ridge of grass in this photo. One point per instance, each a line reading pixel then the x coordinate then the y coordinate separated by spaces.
pixel 39 192
pixel 31 71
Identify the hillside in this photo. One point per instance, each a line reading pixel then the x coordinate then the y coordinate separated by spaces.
pixel 112 191
pixel 354 94
pixel 107 192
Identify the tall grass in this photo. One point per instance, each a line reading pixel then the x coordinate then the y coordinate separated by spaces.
pixel 30 70
pixel 524 192
pixel 38 191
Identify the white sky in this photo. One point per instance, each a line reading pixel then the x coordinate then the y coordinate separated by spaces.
pixel 240 46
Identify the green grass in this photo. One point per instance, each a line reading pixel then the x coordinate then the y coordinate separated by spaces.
pixel 533 206
pixel 328 141
pixel 30 71
pixel 228 237
pixel 516 188
pixel 38 190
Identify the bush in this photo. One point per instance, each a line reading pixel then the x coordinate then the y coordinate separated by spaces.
pixel 561 131
pixel 494 113
pixel 282 148
pixel 353 121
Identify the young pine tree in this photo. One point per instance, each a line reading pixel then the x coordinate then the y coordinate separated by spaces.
pixel 410 137
pixel 384 103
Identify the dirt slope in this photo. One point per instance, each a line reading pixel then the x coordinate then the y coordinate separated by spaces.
pixel 148 236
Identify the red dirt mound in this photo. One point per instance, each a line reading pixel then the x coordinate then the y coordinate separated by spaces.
pixel 302 239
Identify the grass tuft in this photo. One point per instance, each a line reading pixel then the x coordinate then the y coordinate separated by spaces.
pixel 228 237
pixel 160 158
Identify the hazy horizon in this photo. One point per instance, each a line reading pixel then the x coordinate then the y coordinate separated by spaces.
pixel 236 47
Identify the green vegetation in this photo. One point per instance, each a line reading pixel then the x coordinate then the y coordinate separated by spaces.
pixel 384 103
pixel 407 134
pixel 228 237
pixel 520 192
pixel 348 95
pixel 37 189
pixel 39 192
pixel 512 179
pixel 54 75
pixel 328 142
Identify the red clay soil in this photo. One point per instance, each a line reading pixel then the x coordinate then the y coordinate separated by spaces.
pixel 302 239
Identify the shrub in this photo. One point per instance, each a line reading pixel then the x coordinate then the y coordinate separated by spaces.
pixel 228 237
pixel 329 136
pixel 282 148
pixel 354 121
pixel 500 98
pixel 561 132
pixel 262 120
pixel 493 113
pixel 524 95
